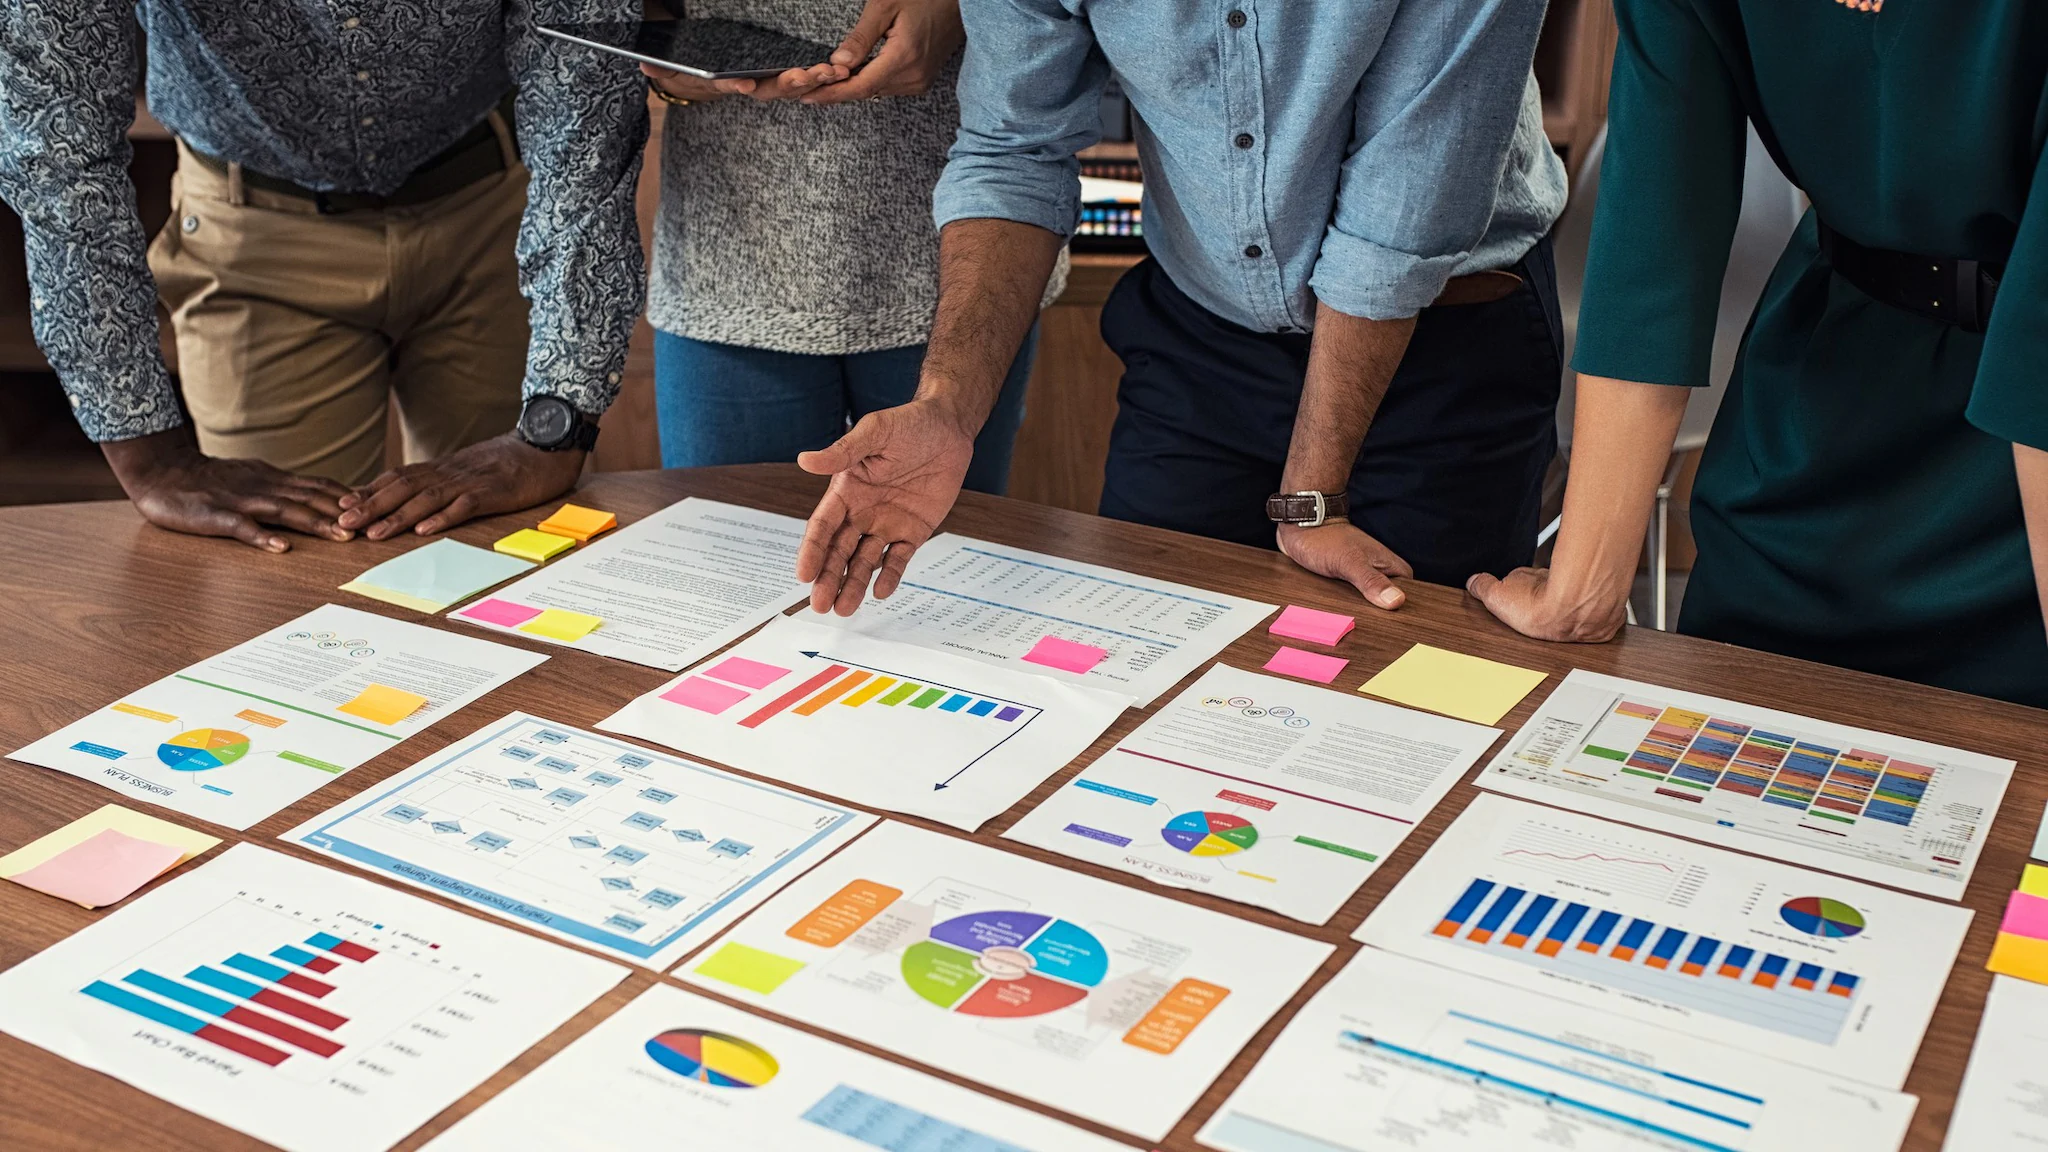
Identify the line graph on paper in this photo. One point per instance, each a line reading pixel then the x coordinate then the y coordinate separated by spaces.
pixel 1589 861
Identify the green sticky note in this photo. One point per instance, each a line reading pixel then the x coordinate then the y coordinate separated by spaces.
pixel 749 968
pixel 431 577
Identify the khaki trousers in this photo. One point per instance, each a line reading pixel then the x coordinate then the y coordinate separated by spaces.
pixel 295 329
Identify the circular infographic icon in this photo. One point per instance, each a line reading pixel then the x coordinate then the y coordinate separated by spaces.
pixel 1210 833
pixel 713 1058
pixel 202 748
pixel 1820 916
pixel 1005 964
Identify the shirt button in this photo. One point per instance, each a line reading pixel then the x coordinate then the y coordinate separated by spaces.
pixel 612 378
pixel 1235 19
pixel 368 120
pixel 362 75
pixel 1244 140
pixel 190 224
pixel 1254 251
pixel 351 24
pixel 371 158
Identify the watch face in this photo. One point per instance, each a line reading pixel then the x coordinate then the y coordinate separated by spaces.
pixel 546 421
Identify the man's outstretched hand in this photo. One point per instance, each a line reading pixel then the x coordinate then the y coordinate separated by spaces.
pixel 503 474
pixel 1345 552
pixel 176 486
pixel 895 475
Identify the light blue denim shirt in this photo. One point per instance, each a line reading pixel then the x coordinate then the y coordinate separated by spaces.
pixel 1360 152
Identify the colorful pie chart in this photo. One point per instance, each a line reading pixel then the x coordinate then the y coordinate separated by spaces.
pixel 1210 833
pixel 1820 916
pixel 713 1058
pixel 1005 964
pixel 202 748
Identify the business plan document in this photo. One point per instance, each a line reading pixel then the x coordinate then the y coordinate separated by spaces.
pixel 1112 1004
pixel 710 1076
pixel 1261 790
pixel 669 589
pixel 1887 808
pixel 591 839
pixel 995 604
pixel 241 735
pixel 1395 1053
pixel 1773 959
pixel 314 1010
pixel 2003 1103
pixel 874 721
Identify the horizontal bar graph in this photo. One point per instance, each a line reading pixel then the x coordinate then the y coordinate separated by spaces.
pixel 268 1025
pixel 851 687
pixel 1689 969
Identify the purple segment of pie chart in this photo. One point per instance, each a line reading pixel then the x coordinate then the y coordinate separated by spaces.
pixel 983 930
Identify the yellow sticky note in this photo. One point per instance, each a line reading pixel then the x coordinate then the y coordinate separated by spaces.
pixel 384 704
pixel 112 816
pixel 749 968
pixel 2018 956
pixel 578 522
pixel 538 547
pixel 1454 684
pixel 2034 881
pixel 556 624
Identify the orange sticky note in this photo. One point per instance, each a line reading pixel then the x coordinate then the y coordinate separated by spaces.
pixel 579 523
pixel 102 870
pixel 383 704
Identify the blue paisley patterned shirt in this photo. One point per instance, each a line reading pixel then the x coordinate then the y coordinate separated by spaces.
pixel 338 95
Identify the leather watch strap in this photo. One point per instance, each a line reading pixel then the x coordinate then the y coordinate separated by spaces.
pixel 1307 508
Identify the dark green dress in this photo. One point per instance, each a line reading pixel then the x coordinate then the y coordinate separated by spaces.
pixel 1857 503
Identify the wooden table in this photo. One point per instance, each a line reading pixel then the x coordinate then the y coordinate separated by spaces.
pixel 93 602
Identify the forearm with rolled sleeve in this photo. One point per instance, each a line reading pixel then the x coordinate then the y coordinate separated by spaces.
pixel 582 119
pixel 67 99
pixel 1030 99
pixel 1435 114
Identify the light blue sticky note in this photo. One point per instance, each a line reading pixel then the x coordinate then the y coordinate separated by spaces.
pixel 2040 851
pixel 434 576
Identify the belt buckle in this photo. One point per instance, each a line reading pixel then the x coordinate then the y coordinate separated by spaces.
pixel 1970 311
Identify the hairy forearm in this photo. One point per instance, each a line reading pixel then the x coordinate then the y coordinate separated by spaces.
pixel 2032 466
pixel 992 274
pixel 1621 444
pixel 1350 364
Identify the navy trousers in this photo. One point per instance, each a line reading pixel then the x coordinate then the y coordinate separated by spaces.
pixel 1451 473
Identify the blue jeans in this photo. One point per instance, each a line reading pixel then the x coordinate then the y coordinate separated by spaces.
pixel 723 404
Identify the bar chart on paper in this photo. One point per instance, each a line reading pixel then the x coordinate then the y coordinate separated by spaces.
pixel 874 721
pixel 1788 786
pixel 1767 957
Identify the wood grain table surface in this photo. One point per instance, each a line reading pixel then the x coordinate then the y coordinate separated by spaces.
pixel 94 603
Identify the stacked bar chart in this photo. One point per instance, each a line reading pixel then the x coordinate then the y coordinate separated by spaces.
pixel 273 997
pixel 1665 961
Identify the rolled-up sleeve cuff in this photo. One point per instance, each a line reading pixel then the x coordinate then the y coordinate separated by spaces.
pixel 1360 278
pixel 142 405
pixel 1037 192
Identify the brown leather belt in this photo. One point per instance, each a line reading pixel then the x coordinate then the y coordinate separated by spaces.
pixel 475 156
pixel 1478 288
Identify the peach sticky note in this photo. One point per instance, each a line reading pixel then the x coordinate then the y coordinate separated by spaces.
pixel 1454 684
pixel 538 547
pixel 2025 916
pixel 558 624
pixel 503 613
pixel 1307 665
pixel 123 820
pixel 1298 623
pixel 384 704
pixel 2034 881
pixel 704 695
pixel 101 870
pixel 2020 956
pixel 1065 655
pixel 578 522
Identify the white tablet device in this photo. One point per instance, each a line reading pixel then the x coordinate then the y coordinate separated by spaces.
pixel 711 48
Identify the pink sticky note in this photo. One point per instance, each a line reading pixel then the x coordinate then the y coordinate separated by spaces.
pixel 503 613
pixel 1307 665
pixel 102 870
pixel 752 673
pixel 704 695
pixel 1298 623
pixel 1065 655
pixel 2026 916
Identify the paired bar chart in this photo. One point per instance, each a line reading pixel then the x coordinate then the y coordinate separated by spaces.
pixel 1668 962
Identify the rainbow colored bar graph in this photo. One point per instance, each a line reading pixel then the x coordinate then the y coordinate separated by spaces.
pixel 838 683
pixel 1669 962
pixel 207 999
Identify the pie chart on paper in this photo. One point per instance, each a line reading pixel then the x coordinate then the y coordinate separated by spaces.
pixel 202 748
pixel 1005 964
pixel 1820 916
pixel 1210 833
pixel 713 1058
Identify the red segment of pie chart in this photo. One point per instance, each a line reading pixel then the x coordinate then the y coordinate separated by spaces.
pixel 1027 996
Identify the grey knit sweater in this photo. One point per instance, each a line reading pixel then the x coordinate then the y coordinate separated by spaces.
pixel 802 229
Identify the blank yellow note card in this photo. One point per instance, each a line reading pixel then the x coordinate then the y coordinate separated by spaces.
pixel 578 522
pixel 749 968
pixel 2034 881
pixel 556 624
pixel 1454 684
pixel 384 704
pixel 539 547
pixel 110 817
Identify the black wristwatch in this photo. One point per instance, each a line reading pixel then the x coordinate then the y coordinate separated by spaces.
pixel 1307 509
pixel 552 424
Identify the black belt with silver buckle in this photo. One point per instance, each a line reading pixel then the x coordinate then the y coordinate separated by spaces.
pixel 1949 289
pixel 473 157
